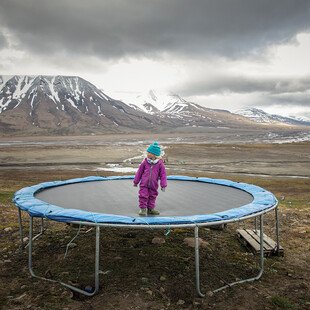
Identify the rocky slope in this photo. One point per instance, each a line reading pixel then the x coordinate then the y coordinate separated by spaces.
pixel 64 104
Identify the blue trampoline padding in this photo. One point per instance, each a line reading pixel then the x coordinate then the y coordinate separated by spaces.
pixel 26 201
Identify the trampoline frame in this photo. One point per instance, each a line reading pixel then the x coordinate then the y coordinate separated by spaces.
pixel 196 227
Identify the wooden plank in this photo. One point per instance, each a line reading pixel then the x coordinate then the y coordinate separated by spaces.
pixel 272 243
pixel 252 238
pixel 248 239
pixel 269 244
pixel 256 235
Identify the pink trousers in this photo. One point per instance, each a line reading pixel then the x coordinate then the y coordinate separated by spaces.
pixel 147 197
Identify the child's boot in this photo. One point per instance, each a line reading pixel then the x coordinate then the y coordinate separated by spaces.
pixel 152 212
pixel 143 212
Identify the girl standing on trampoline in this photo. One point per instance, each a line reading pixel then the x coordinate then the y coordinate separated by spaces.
pixel 150 171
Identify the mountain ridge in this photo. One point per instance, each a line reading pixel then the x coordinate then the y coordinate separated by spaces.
pixel 63 105
pixel 260 116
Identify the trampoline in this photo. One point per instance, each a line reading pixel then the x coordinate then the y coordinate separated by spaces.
pixel 112 201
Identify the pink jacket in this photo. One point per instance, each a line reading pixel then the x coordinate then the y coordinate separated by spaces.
pixel 149 174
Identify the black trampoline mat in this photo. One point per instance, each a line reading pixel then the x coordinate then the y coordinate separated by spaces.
pixel 119 197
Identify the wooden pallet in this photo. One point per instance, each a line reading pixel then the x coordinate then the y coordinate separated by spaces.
pixel 251 239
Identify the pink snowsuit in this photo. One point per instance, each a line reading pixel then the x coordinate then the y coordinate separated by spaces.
pixel 148 176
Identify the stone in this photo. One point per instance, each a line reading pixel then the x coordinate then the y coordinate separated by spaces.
pixel 149 292
pixel 20 297
pixel 25 239
pixel 191 242
pixel 8 229
pixel 158 240
pixel 210 293
pixel 162 278
pixel 218 227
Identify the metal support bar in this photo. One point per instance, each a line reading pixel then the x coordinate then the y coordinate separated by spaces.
pixel 21 233
pixel 255 223
pixel 277 229
pixel 97 252
pixel 261 264
pixel 197 265
pixel 39 234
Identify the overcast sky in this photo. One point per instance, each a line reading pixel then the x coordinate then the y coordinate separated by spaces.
pixel 224 54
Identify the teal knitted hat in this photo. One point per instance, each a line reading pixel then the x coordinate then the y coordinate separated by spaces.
pixel 154 149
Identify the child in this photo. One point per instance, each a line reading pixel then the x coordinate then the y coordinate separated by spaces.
pixel 150 171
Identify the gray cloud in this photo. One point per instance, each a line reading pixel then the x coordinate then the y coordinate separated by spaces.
pixel 115 29
pixel 3 41
pixel 242 84
pixel 298 99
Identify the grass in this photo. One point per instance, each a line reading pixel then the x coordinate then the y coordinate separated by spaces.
pixel 131 255
pixel 282 302
pixel 6 197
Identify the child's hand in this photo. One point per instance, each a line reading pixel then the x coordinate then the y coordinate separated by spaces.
pixel 163 189
pixel 135 185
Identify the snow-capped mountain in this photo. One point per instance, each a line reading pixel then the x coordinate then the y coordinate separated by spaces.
pixel 13 89
pixel 174 107
pixel 263 117
pixel 63 104
pixel 153 102
pixel 72 105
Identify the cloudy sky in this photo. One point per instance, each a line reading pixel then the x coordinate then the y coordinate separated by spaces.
pixel 225 54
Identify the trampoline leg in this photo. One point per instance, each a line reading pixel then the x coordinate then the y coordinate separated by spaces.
pixel 42 225
pixel 277 230
pixel 255 224
pixel 21 232
pixel 97 252
pixel 39 234
pixel 261 252
pixel 261 264
pixel 30 247
pixel 31 239
pixel 197 265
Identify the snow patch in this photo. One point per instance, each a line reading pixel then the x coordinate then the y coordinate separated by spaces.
pixel 72 103
pixel 116 168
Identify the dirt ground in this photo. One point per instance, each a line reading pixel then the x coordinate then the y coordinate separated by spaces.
pixel 140 274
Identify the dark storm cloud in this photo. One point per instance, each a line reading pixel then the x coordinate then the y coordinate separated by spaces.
pixel 243 84
pixel 298 99
pixel 3 41
pixel 120 28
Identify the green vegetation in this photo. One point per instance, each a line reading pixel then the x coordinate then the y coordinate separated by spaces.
pixel 133 265
pixel 6 197
pixel 282 302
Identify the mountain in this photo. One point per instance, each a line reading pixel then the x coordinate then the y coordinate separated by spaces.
pixel 153 102
pixel 262 117
pixel 62 105
pixel 174 107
